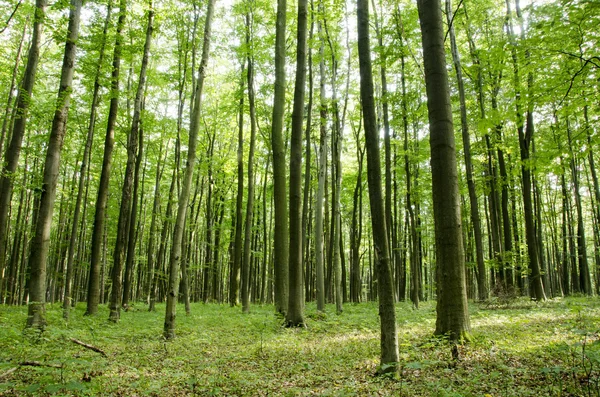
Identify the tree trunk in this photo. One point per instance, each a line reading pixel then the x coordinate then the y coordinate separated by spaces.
pixel 525 138
pixel 38 256
pixel 234 282
pixel 102 199
pixel 250 189
pixel 175 256
pixel 13 150
pixel 387 314
pixel 321 177
pixel 280 238
pixel 127 213
pixel 295 314
pixel 482 286
pixel 452 309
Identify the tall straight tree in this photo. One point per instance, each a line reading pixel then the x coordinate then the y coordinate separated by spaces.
pixel 280 238
pixel 67 299
pixel 234 282
pixel 41 239
pixel 295 314
pixel 387 314
pixel 175 256
pixel 13 150
pixel 126 215
pixel 93 296
pixel 525 132
pixel 452 309
pixel 482 287
pixel 322 176
pixel 250 188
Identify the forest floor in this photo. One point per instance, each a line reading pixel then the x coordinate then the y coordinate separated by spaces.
pixel 520 348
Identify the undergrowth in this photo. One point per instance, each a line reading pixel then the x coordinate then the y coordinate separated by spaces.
pixel 529 349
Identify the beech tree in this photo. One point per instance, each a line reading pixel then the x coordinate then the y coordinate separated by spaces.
pixel 387 314
pixel 41 239
pixel 175 256
pixel 452 309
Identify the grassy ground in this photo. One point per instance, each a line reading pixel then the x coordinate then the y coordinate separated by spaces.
pixel 524 349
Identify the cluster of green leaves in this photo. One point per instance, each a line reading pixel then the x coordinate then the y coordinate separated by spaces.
pixel 525 349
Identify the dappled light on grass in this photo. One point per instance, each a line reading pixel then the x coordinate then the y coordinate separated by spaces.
pixel 528 351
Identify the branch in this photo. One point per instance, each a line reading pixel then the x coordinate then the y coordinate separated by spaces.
pixel 452 20
pixel 11 16
pixel 10 371
pixel 38 364
pixel 580 71
pixel 94 348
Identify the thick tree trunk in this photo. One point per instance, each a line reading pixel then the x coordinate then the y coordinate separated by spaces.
pixel 295 314
pixel 452 309
pixel 387 314
pixel 175 256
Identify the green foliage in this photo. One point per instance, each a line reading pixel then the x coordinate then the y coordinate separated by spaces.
pixel 534 349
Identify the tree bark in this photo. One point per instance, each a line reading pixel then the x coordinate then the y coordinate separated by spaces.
pixel 452 309
pixel 13 150
pixel 126 224
pixel 387 314
pixel 250 188
pixel 280 238
pixel 175 256
pixel 295 313
pixel 482 286
pixel 36 316
pixel 234 282
pixel 102 198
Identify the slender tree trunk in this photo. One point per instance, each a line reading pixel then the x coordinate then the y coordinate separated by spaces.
pixel 482 286
pixel 102 198
pixel 295 313
pixel 250 188
pixel 307 176
pixel 322 176
pixel 452 309
pixel 175 256
pixel 234 283
pixel 126 225
pixel 387 314
pixel 83 173
pixel 280 238
pixel 208 258
pixel 525 138
pixel 13 150
pixel 584 270
pixel 151 255
pixel 356 228
pixel 8 110
pixel 160 257
pixel 38 256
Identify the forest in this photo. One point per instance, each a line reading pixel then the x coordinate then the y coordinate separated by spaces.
pixel 412 182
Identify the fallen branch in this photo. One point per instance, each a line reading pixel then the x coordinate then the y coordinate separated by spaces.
pixel 38 364
pixel 87 346
pixel 10 371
